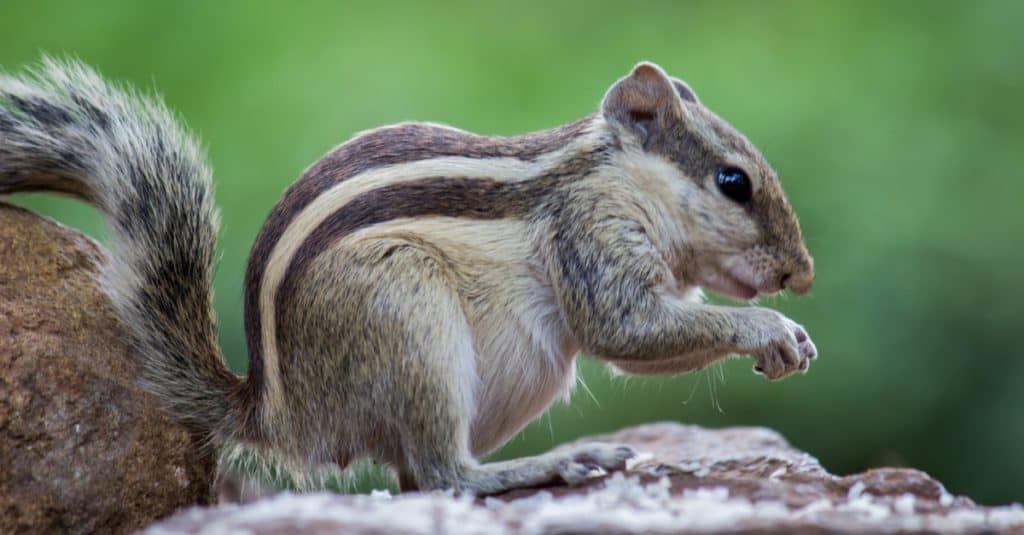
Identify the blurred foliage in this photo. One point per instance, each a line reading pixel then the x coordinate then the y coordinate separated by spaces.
pixel 895 127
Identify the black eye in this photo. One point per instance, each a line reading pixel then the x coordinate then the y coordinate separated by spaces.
pixel 734 184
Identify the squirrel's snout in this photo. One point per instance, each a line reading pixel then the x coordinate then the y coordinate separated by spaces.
pixel 798 284
pixel 800 280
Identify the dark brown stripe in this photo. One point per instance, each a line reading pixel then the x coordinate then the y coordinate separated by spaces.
pixel 471 198
pixel 386 146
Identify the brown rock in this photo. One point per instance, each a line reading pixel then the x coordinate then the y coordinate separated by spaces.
pixel 81 448
pixel 688 480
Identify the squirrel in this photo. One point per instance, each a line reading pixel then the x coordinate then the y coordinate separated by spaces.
pixel 420 293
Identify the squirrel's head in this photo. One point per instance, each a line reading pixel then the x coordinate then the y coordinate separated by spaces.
pixel 726 212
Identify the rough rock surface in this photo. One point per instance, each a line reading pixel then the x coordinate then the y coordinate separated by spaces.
pixel 81 448
pixel 688 480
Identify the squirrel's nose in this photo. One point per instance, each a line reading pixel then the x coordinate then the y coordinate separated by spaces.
pixel 800 280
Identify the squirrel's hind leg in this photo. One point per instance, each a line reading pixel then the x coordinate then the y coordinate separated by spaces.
pixel 393 370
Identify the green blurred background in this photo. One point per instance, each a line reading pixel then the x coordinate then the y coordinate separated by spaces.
pixel 897 129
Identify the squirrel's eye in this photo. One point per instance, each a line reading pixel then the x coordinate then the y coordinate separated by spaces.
pixel 734 184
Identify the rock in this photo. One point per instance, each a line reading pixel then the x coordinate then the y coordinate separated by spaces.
pixel 81 448
pixel 687 480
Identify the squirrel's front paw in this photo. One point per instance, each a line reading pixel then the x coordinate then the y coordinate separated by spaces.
pixel 779 345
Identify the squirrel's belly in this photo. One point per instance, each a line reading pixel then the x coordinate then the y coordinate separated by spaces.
pixel 525 361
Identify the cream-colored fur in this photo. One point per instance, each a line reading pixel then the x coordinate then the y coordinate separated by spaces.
pixel 509 169
pixel 523 351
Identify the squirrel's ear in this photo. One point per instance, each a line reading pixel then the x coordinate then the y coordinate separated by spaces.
pixel 684 91
pixel 642 99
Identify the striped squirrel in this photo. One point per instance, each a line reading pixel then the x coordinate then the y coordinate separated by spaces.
pixel 420 293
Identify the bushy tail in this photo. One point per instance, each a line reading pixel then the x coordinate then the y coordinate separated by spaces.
pixel 64 129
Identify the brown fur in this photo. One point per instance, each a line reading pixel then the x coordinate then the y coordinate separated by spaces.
pixel 377 148
pixel 471 198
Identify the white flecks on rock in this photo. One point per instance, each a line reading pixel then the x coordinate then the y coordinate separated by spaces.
pixel 640 459
pixel 855 491
pixel 904 504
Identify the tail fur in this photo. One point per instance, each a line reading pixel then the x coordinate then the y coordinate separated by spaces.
pixel 64 129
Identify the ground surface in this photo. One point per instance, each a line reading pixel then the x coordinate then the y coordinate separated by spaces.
pixel 688 480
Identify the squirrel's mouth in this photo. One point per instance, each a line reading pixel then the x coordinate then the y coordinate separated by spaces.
pixel 730 286
pixel 736 278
